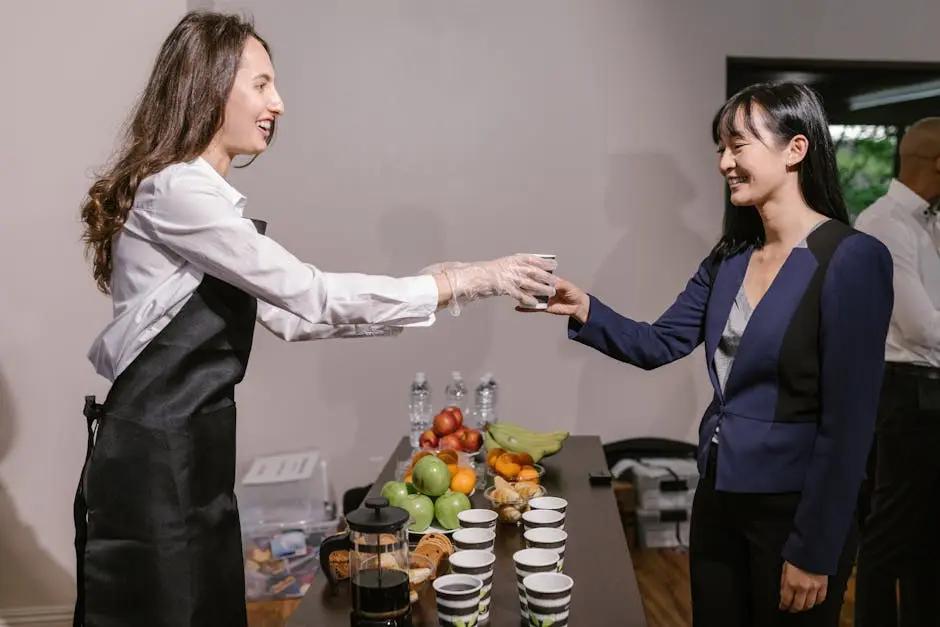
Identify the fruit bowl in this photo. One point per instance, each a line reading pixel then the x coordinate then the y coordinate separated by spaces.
pixel 448 432
pixel 463 473
pixel 533 472
pixel 511 500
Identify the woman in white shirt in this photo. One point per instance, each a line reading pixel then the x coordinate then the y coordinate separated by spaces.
pixel 157 533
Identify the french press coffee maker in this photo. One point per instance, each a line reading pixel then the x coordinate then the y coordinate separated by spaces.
pixel 377 541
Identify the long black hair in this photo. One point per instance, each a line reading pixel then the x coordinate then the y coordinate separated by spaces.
pixel 789 109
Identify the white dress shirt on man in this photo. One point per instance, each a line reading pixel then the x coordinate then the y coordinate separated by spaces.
pixel 187 220
pixel 905 223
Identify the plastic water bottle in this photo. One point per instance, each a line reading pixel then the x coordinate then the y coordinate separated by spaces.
pixel 457 393
pixel 484 410
pixel 419 408
pixel 491 384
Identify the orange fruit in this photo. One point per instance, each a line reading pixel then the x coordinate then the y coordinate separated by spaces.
pixel 464 481
pixel 507 466
pixel 453 470
pixel 492 455
pixel 524 459
pixel 448 456
pixel 408 478
pixel 528 473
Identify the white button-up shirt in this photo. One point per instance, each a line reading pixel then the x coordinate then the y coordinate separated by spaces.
pixel 187 221
pixel 903 222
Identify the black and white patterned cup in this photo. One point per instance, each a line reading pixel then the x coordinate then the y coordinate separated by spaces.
pixel 542 301
pixel 548 538
pixel 543 518
pixel 480 564
pixel 478 519
pixel 458 600
pixel 474 539
pixel 529 562
pixel 548 598
pixel 554 503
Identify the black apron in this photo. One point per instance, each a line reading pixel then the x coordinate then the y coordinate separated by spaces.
pixel 157 533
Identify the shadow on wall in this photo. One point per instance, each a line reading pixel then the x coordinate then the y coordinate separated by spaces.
pixel 29 576
pixel 374 374
pixel 645 197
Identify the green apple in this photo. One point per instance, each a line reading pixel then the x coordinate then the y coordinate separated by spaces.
pixel 431 476
pixel 448 506
pixel 394 490
pixel 421 510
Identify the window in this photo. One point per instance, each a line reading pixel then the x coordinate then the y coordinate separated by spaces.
pixel 865 156
pixel 869 103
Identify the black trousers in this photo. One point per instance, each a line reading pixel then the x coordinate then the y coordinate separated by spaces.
pixel 735 562
pixel 899 540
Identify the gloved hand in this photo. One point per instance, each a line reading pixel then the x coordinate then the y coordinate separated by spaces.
pixel 520 276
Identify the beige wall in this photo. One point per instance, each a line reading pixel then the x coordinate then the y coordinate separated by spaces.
pixel 415 133
pixel 76 67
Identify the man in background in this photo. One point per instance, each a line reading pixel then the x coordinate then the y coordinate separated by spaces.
pixel 899 538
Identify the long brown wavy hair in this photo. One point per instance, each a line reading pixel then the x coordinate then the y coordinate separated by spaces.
pixel 175 119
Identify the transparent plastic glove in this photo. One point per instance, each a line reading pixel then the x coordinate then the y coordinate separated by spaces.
pixel 521 277
pixel 437 268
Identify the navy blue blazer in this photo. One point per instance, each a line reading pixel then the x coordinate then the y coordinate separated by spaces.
pixel 798 410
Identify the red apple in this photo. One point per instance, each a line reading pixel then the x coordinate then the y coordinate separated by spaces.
pixel 473 441
pixel 428 439
pixel 445 423
pixel 461 432
pixel 458 415
pixel 451 442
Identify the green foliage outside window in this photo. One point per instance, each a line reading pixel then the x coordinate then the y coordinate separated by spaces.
pixel 865 159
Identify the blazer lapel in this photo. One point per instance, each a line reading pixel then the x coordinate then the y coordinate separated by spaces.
pixel 769 321
pixel 727 282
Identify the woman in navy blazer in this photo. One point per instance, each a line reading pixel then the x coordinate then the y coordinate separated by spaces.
pixel 793 307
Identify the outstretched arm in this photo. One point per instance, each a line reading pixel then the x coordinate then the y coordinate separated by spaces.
pixel 291 328
pixel 195 221
pixel 674 335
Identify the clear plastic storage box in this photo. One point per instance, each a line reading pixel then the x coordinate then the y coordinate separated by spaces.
pixel 663 529
pixel 287 508
pixel 664 483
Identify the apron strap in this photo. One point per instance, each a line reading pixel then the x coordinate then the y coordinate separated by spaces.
pixel 92 412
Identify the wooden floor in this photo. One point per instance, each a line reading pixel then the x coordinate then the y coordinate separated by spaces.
pixel 663 579
pixel 662 575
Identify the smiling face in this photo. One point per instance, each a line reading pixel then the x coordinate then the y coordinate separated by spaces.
pixel 253 105
pixel 756 163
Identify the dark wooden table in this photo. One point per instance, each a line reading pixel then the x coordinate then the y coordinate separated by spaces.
pixel 596 556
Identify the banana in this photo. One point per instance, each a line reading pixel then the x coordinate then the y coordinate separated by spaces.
pixel 527 437
pixel 518 439
pixel 489 442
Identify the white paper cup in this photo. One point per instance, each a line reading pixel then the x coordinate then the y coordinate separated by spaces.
pixel 529 562
pixel 478 519
pixel 474 539
pixel 548 598
pixel 538 518
pixel 549 538
pixel 480 564
pixel 554 503
pixel 542 301
pixel 458 599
